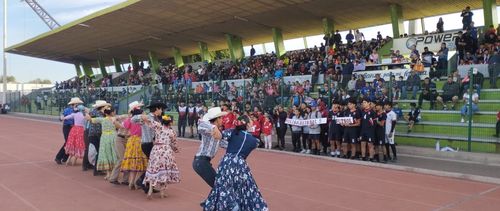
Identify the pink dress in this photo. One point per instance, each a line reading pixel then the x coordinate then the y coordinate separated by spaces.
pixel 75 146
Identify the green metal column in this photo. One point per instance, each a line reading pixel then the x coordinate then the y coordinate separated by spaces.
pixel 490 13
pixel 87 69
pixel 235 46
pixel 204 53
pixel 155 64
pixel 279 45
pixel 102 67
pixel 134 61
pixel 328 26
pixel 78 70
pixel 397 20
pixel 179 61
pixel 118 66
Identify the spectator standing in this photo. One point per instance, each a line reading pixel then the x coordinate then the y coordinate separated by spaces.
pixel 347 73
pixel 349 37
pixel 440 26
pixel 252 51
pixel 442 58
pixel 359 36
pixel 493 69
pixel 466 17
pixel 337 38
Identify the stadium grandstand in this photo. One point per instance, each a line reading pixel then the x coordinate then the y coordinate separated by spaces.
pixel 202 52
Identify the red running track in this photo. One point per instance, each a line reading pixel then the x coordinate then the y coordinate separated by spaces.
pixel 30 180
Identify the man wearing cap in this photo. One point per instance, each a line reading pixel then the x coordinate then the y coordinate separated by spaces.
pixel 148 133
pixel 94 133
pixel 210 137
pixel 67 124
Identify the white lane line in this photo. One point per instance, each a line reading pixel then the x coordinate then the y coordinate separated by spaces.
pixel 465 199
pixel 26 202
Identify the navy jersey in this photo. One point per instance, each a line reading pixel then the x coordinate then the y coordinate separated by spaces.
pixel 368 120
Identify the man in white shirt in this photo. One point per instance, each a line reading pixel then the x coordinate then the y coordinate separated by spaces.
pixel 465 108
pixel 390 126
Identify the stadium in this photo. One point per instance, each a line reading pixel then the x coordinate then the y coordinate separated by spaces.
pixel 352 105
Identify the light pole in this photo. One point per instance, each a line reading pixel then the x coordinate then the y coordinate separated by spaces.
pixel 4 96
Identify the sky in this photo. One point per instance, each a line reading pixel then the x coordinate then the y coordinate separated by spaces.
pixel 24 24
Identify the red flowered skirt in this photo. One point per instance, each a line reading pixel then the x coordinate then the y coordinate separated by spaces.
pixel 75 145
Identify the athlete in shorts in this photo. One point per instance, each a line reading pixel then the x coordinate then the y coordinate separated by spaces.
pixel 367 134
pixel 380 119
pixel 350 136
pixel 335 131
pixel 390 126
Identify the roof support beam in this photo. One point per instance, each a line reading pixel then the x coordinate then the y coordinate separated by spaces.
pixel 102 67
pixel 154 63
pixel 78 70
pixel 179 62
pixel 235 46
pixel 118 66
pixel 87 68
pixel 204 53
pixel 279 44
pixel 328 26
pixel 490 13
pixel 397 20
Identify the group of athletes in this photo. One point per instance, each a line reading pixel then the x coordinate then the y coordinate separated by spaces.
pixel 370 134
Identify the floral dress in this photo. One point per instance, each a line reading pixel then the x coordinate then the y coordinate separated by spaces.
pixel 107 155
pixel 162 169
pixel 235 186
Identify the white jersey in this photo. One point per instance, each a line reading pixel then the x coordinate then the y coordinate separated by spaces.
pixel 391 116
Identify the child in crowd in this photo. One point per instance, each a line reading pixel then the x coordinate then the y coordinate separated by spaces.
pixel 296 131
pixel 413 116
pixel 267 130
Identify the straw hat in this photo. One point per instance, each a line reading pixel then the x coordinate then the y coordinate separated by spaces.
pixel 75 100
pixel 100 103
pixel 134 105
pixel 213 113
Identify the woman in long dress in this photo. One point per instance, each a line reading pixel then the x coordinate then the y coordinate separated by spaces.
pixel 107 155
pixel 235 187
pixel 75 147
pixel 162 169
pixel 134 160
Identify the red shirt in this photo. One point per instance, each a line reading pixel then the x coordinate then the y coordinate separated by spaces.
pixel 498 116
pixel 228 121
pixel 267 128
pixel 256 132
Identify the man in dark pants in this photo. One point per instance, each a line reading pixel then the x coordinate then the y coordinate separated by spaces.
pixel 94 133
pixel 210 138
pixel 181 123
pixel 67 124
pixel 428 93
pixel 148 133
pixel 280 117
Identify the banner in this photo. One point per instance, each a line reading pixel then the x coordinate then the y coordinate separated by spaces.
pixel 344 120
pixel 307 122
pixel 386 74
pixel 432 41
pixel 463 70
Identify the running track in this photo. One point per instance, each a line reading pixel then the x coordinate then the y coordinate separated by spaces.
pixel 30 180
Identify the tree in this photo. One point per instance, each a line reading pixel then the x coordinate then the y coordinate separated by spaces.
pixel 40 81
pixel 10 79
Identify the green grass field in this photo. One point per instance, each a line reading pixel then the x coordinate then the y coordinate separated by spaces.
pixel 448 131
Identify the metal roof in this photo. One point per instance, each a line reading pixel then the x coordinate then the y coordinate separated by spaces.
pixel 138 26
